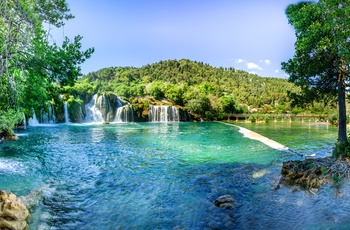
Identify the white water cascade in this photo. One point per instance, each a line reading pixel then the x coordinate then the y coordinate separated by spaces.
pixel 66 115
pixel 163 113
pixel 93 113
pixel 108 108
pixel 24 121
pixel 49 116
pixel 124 114
pixel 33 121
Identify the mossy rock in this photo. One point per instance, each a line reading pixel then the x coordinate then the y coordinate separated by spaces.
pixel 312 173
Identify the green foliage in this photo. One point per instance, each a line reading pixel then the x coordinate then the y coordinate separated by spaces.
pixel 175 93
pixel 33 71
pixel 228 104
pixel 75 106
pixel 322 58
pixel 192 84
pixel 8 120
pixel 341 149
pixel 333 119
pixel 155 90
pixel 252 118
pixel 200 105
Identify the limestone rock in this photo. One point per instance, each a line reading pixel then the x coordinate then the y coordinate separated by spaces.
pixel 307 174
pixel 13 214
pixel 225 201
pixel 10 138
pixel 11 196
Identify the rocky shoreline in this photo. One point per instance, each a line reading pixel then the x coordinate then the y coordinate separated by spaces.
pixel 310 174
pixel 13 214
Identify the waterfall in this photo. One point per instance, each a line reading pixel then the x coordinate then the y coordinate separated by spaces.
pixel 33 121
pixel 24 121
pixel 93 113
pixel 163 114
pixel 66 115
pixel 125 114
pixel 108 108
pixel 49 116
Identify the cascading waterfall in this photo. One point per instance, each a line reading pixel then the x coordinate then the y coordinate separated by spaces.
pixel 66 115
pixel 163 113
pixel 93 113
pixel 125 114
pixel 49 116
pixel 33 121
pixel 108 108
pixel 24 121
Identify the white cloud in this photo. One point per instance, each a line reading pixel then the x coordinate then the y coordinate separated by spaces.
pixel 251 65
pixel 276 71
pixel 266 61
pixel 239 60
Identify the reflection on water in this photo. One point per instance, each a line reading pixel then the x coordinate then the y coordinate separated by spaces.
pixel 166 176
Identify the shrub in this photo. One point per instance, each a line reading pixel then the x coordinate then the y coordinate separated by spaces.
pixel 252 118
pixel 333 119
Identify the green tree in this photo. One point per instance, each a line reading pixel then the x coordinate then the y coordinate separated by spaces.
pixel 155 90
pixel 322 51
pixel 228 104
pixel 31 69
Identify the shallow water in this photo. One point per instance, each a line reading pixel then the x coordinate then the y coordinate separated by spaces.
pixel 166 176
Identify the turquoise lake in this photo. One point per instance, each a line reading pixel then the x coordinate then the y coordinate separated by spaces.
pixel 167 176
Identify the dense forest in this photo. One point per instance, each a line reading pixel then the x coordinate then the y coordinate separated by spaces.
pixel 201 89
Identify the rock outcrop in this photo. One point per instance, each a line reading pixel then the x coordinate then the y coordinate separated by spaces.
pixel 225 202
pixel 13 214
pixel 10 138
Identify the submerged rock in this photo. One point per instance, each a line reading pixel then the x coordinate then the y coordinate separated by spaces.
pixel 305 174
pixel 312 173
pixel 13 214
pixel 224 202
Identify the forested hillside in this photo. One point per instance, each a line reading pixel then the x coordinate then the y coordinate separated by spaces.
pixel 202 89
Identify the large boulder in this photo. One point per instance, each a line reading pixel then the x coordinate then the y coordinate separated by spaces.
pixel 13 214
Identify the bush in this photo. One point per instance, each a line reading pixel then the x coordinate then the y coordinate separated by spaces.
pixel 155 90
pixel 333 119
pixel 252 118
pixel 8 120
pixel 199 105
pixel 342 149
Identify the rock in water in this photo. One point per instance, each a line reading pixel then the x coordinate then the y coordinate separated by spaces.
pixel 225 201
pixel 13 214
pixel 10 138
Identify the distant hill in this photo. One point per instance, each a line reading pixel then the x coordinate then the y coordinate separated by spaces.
pixel 198 87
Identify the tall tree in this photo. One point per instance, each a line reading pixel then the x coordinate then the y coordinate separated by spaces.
pixel 26 56
pixel 322 51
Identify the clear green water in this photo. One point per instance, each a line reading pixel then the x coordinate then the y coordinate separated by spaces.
pixel 166 176
pixel 304 137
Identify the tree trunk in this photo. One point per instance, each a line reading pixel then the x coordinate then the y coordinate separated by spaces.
pixel 342 137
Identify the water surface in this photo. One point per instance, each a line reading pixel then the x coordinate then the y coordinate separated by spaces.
pixel 166 176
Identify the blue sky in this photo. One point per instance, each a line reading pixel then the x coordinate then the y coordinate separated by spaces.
pixel 251 35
